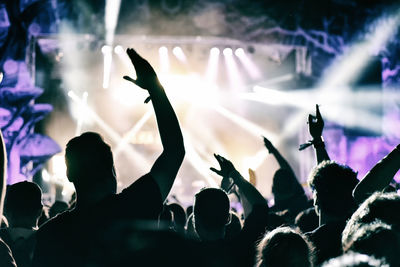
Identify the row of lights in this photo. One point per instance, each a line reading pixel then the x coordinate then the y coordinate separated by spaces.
pixel 178 50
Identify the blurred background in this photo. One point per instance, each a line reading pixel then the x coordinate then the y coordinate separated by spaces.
pixel 234 71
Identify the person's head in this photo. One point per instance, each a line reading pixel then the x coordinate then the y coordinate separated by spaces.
pixel 380 206
pixel 23 204
pixel 332 185
pixel 90 163
pixel 284 247
pixel 179 216
pixel 285 185
pixel 355 260
pixel 211 213
pixel 377 239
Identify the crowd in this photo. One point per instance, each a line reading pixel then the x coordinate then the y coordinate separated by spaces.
pixel 346 223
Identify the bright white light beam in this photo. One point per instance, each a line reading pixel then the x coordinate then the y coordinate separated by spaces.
pixel 248 64
pixel 142 163
pixel 132 132
pixel 82 117
pixel 107 53
pixel 111 19
pixel 180 55
pixel 164 59
pixel 212 66
pixel 235 78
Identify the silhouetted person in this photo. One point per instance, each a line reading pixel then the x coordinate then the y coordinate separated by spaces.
pixel 23 207
pixel 307 220
pixel 6 257
pixel 284 247
pixel 332 185
pixel 376 239
pixel 288 192
pixel 67 239
pixel 355 260
pixel 211 211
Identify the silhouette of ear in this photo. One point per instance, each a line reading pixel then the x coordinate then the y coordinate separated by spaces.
pixel 229 219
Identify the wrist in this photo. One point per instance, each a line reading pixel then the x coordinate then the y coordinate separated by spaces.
pixel 318 142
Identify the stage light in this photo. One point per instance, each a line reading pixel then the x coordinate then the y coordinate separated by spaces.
pixel 82 115
pixel 107 53
pixel 163 50
pixel 239 52
pixel 118 49
pixel 234 76
pixel 111 19
pixel 106 49
pixel 249 65
pixel 214 51
pixel 228 52
pixel 178 52
pixel 212 66
pixel 164 59
pixel 45 175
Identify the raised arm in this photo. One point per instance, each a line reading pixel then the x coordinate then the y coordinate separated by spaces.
pixel 249 195
pixel 279 158
pixel 168 163
pixel 379 176
pixel 316 126
pixel 3 173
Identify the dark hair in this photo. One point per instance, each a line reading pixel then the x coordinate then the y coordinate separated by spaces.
pixel 284 246
pixel 333 184
pixel 377 239
pixel 382 206
pixel 88 157
pixel 307 220
pixel 355 260
pixel 23 199
pixel 211 208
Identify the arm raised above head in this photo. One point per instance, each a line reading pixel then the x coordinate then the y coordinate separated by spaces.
pixel 166 166
pixel 249 195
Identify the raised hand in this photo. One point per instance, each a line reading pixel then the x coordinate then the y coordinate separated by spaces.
pixel 146 76
pixel 226 168
pixel 315 124
pixel 225 165
pixel 268 145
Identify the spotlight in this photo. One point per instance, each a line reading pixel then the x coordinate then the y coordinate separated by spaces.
pixel 118 49
pixel 106 49
pixel 214 51
pixel 228 52
pixel 178 52
pixel 163 50
pixel 239 52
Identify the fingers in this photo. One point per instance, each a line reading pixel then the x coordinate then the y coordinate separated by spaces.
pixel 318 113
pixel 310 118
pixel 216 171
pixel 129 79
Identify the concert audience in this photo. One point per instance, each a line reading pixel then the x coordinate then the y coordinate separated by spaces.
pixel 352 223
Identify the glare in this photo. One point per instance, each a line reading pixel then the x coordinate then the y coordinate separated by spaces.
pixel 45 175
pixel 118 49
pixel 214 51
pixel 228 52
pixel 248 64
pixel 164 59
pixel 142 163
pixel 247 125
pixel 235 78
pixel 107 52
pixel 350 65
pixel 239 52
pixel 111 18
pixel 212 66
pixel 178 52
pixel 82 115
